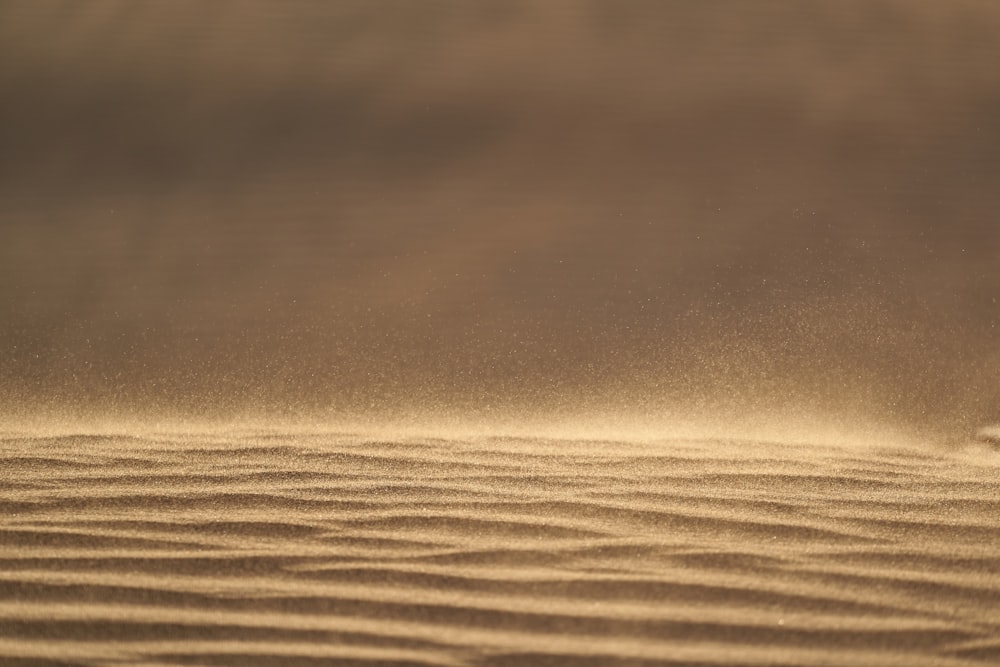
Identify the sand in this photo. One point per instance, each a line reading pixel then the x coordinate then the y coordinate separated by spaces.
pixel 291 549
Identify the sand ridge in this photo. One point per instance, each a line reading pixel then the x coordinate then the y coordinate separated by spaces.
pixel 301 549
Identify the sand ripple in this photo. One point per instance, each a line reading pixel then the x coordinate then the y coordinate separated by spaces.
pixel 257 549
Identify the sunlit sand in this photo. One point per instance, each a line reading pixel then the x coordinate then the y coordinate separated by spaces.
pixel 308 549
pixel 669 331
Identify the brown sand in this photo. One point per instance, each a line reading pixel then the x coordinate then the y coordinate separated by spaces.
pixel 497 211
pixel 272 549
pixel 217 209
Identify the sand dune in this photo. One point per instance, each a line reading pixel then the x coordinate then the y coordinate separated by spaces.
pixel 267 549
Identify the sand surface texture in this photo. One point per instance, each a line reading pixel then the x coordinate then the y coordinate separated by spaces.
pixel 273 549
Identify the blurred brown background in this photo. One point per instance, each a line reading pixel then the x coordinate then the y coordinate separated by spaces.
pixel 384 207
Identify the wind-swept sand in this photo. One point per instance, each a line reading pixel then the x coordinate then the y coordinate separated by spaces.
pixel 331 549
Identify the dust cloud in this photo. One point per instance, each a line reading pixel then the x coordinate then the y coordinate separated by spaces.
pixel 646 212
